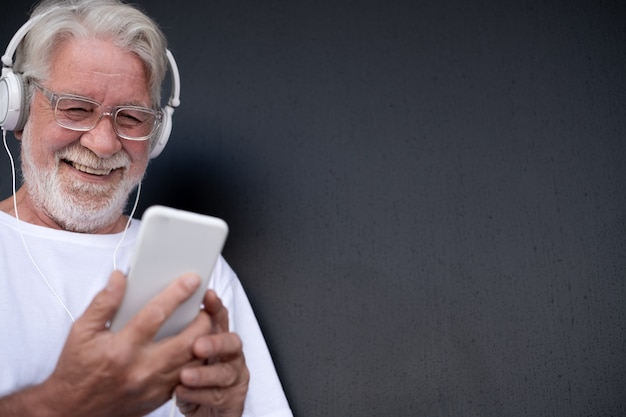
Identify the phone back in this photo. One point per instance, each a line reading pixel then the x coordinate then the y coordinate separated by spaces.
pixel 170 243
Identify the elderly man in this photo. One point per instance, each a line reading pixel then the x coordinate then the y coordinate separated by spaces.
pixel 90 117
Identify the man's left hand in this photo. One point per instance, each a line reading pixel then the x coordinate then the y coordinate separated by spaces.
pixel 217 388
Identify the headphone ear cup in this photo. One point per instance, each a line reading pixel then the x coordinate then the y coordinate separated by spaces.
pixel 162 134
pixel 13 112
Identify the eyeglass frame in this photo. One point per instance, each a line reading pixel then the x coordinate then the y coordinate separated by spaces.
pixel 54 98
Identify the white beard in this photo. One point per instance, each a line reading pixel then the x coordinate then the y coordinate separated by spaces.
pixel 75 205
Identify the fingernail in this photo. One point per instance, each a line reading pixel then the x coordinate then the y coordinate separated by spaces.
pixel 189 376
pixel 206 347
pixel 191 281
pixel 112 285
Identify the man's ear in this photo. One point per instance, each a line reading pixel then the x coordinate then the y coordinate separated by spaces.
pixel 18 134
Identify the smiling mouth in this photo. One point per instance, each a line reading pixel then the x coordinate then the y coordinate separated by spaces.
pixel 90 170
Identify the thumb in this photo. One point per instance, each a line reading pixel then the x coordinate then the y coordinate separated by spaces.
pixel 104 305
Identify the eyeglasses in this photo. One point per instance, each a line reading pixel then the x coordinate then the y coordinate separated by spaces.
pixel 83 114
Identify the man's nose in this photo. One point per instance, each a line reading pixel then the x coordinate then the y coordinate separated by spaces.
pixel 102 139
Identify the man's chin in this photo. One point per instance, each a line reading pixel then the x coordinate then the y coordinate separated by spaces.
pixel 85 219
pixel 86 209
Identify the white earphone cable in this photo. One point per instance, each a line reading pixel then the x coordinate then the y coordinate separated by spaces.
pixel 173 407
pixel 130 219
pixel 19 227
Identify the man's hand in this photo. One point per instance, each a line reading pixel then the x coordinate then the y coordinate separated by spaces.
pixel 100 373
pixel 219 386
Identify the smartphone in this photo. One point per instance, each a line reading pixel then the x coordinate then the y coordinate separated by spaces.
pixel 170 243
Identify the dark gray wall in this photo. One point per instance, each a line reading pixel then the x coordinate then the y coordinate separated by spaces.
pixel 427 199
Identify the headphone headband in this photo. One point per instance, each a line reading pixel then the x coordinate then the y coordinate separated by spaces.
pixel 7 58
pixel 14 109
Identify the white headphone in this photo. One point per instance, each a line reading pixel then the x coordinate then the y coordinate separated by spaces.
pixel 14 109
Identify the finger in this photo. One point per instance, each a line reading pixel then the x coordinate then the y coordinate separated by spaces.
pixel 186 407
pixel 215 308
pixel 229 402
pixel 217 375
pixel 104 305
pixel 216 385
pixel 218 346
pixel 146 323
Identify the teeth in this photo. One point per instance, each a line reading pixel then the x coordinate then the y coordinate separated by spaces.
pixel 89 170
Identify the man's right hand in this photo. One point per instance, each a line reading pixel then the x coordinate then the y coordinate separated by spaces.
pixel 101 373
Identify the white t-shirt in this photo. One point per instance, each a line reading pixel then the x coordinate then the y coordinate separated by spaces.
pixel 34 323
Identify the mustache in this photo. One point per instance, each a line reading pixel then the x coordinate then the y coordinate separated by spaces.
pixel 78 154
